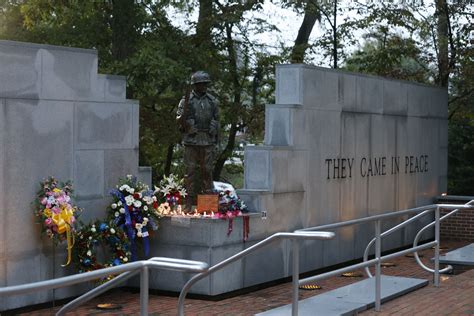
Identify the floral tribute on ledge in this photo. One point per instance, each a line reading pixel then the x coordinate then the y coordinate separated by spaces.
pixel 99 233
pixel 136 210
pixel 171 194
pixel 231 206
pixel 56 213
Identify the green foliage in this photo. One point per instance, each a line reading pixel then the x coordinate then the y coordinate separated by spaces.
pixel 461 156
pixel 156 75
pixel 461 119
pixel 389 56
pixel 233 174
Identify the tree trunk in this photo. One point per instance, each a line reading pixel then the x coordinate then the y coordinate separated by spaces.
pixel 229 148
pixel 226 153
pixel 443 51
pixel 311 15
pixel 301 42
pixel 169 159
pixel 204 25
pixel 124 33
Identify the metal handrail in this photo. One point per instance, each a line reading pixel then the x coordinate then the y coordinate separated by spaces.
pixel 415 243
pixel 383 216
pixel 117 280
pixel 295 237
pixel 131 269
pixel 96 291
pixel 417 238
pixel 388 232
pixel 378 235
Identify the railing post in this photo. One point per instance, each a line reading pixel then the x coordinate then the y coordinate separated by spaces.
pixel 144 291
pixel 437 238
pixel 378 250
pixel 296 273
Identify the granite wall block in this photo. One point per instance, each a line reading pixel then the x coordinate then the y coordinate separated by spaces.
pixel 321 88
pixel 21 71
pixel 115 88
pixel 104 125
pixel 288 85
pixel 257 168
pixel 347 93
pixel 252 198
pixel 24 271
pixel 69 74
pixel 278 125
pixel 117 164
pixel 172 280
pixel 33 129
pixel 420 101
pixel 439 99
pixel 395 97
pixel 311 255
pixel 229 278
pixel 369 94
pixel 89 173
pixel 256 272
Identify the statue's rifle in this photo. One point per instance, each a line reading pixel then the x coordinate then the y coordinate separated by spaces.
pixel 184 115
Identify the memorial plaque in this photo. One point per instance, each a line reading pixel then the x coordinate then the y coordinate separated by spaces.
pixel 207 203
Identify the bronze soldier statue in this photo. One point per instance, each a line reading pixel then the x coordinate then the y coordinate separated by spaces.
pixel 198 119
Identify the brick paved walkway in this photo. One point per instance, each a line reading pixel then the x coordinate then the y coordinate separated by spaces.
pixel 454 297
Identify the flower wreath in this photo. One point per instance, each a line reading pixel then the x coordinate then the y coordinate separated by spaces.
pixel 56 213
pixel 90 236
pixel 135 210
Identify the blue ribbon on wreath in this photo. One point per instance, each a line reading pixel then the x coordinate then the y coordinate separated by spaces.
pixel 146 242
pixel 129 229
pixel 128 223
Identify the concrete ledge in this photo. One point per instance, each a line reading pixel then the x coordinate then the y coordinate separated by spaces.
pixel 201 239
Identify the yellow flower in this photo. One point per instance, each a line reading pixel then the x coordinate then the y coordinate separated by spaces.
pixel 47 212
pixel 56 190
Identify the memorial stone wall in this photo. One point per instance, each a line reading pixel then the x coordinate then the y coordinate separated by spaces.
pixel 342 146
pixel 58 117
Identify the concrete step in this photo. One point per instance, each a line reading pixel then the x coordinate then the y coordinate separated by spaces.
pixel 351 299
pixel 460 256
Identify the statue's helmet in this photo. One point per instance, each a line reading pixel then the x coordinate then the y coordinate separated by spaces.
pixel 200 76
